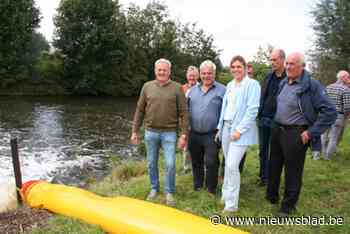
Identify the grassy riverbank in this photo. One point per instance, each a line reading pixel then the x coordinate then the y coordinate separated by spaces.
pixel 325 192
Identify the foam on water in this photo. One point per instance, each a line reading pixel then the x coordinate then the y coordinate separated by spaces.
pixel 57 140
pixel 44 164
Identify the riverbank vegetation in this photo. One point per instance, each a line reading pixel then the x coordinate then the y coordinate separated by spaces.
pixel 99 47
pixel 106 48
pixel 325 193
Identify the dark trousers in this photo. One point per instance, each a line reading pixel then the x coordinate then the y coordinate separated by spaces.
pixel 287 150
pixel 205 153
pixel 264 148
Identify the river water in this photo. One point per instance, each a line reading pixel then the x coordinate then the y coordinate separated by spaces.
pixel 62 139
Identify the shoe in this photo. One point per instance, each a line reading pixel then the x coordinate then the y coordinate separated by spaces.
pixel 281 213
pixel 197 189
pixel 284 212
pixel 229 210
pixel 272 200
pixel 152 195
pixel 170 200
pixel 262 183
pixel 315 155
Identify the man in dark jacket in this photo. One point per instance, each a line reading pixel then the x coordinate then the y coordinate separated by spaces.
pixel 267 109
pixel 303 113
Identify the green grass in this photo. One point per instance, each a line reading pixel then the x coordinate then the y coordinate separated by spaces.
pixel 325 192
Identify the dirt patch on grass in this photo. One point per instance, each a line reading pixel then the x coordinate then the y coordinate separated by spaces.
pixel 22 220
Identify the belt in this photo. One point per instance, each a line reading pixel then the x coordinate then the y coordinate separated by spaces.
pixel 290 127
pixel 204 133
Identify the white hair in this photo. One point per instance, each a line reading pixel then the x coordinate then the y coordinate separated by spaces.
pixel 192 68
pixel 209 64
pixel 300 57
pixel 280 52
pixel 163 60
pixel 339 73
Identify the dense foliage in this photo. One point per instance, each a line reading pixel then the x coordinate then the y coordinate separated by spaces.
pixel 90 35
pixel 107 50
pixel 101 47
pixel 18 20
pixel 332 44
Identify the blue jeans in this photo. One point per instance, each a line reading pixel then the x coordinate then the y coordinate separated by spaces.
pixel 166 140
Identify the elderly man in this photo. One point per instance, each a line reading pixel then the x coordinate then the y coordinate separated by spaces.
pixel 192 76
pixel 303 113
pixel 339 94
pixel 204 102
pixel 250 70
pixel 267 109
pixel 162 107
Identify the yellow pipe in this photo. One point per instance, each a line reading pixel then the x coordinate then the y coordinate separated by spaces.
pixel 118 215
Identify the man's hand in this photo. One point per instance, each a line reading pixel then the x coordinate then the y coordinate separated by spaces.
pixel 305 137
pixel 135 138
pixel 235 136
pixel 181 143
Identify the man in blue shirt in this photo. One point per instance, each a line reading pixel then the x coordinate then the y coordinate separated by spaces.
pixel 204 103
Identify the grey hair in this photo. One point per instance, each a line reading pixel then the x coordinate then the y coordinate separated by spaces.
pixel 209 64
pixel 282 53
pixel 192 68
pixel 163 60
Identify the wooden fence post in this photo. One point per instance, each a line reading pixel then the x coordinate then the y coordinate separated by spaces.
pixel 16 168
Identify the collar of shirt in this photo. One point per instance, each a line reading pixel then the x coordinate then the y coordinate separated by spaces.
pixel 241 83
pixel 282 75
pixel 292 82
pixel 163 84
pixel 211 87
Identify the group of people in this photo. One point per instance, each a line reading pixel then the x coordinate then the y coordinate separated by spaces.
pixel 292 110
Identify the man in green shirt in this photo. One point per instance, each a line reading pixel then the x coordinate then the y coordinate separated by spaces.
pixel 162 108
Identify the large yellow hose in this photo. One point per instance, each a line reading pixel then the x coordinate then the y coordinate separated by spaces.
pixel 118 215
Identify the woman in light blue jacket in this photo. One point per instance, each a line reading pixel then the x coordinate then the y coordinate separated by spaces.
pixel 237 127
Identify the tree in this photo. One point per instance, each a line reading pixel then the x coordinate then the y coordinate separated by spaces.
pixel 38 44
pixel 197 46
pixel 153 34
pixel 261 65
pixel 18 19
pixel 143 31
pixel 49 66
pixel 332 45
pixel 91 36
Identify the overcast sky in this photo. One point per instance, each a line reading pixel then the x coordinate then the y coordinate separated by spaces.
pixel 238 27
